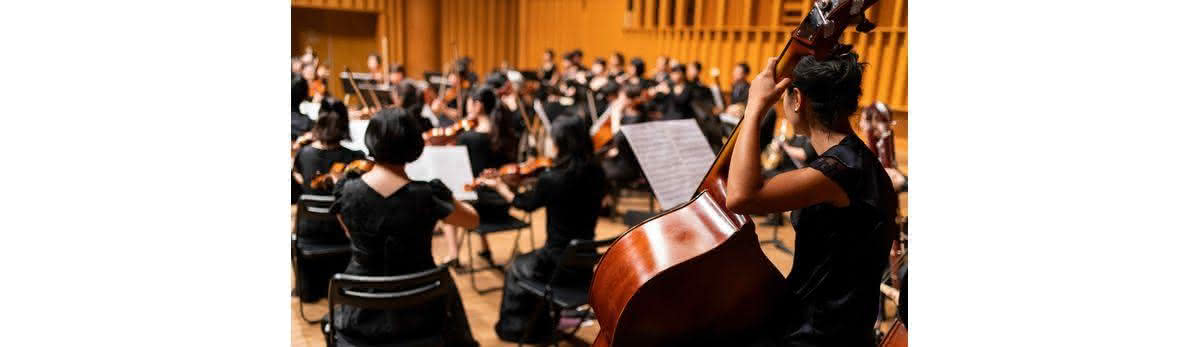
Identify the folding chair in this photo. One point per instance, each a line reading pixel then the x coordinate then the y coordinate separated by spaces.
pixel 508 224
pixel 578 254
pixel 312 208
pixel 387 293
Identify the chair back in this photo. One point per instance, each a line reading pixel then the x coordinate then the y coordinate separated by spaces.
pixel 314 208
pixel 390 292
pixel 387 292
pixel 581 253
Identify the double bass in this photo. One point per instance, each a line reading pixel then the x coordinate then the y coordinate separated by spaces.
pixel 695 274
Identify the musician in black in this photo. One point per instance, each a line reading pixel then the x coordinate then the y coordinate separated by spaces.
pixel 571 191
pixel 843 207
pixel 390 219
pixel 548 69
pixel 741 89
pixel 311 160
pixel 490 144
pixel 675 98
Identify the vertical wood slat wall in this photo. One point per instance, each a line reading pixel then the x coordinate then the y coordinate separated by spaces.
pixel 719 33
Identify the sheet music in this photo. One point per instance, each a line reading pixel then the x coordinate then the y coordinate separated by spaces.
pixel 358 129
pixel 674 156
pixel 447 163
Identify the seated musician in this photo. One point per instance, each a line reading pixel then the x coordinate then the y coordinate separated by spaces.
pixel 877 128
pixel 635 74
pixel 741 89
pixel 489 145
pixel 548 70
pixel 675 97
pixel 389 219
pixel 311 160
pixel 571 191
pixel 843 207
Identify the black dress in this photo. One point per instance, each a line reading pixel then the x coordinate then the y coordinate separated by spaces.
pixel 491 206
pixel 572 198
pixel 310 162
pixel 390 236
pixel 841 254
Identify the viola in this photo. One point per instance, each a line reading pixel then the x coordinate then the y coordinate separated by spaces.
pixel 512 172
pixel 695 274
pixel 325 181
pixel 448 134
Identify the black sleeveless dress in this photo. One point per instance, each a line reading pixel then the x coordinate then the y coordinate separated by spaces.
pixel 392 236
pixel 841 254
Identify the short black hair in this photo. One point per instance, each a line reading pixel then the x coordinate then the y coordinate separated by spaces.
pixel 600 61
pixel 398 68
pixel 550 52
pixel 394 137
pixel 639 66
pixel 678 68
pixel 831 87
pixel 745 67
pixel 333 122
pixel 487 97
pixel 620 58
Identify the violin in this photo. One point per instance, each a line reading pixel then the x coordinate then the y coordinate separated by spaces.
pixel 316 86
pixel 448 134
pixel 512 172
pixel 695 274
pixel 325 181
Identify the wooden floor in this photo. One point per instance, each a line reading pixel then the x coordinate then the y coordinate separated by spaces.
pixel 482 310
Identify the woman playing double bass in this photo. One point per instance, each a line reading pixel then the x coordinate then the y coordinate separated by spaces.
pixel 843 207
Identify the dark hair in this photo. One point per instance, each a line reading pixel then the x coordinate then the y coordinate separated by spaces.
pixel 394 137
pixel 496 80
pixel 831 87
pixel 745 67
pixel 398 68
pixel 639 66
pixel 487 97
pixel 699 67
pixel 678 68
pixel 600 61
pixel 333 123
pixel 570 136
pixel 550 52
pixel 375 56
pixel 620 58
pixel 503 136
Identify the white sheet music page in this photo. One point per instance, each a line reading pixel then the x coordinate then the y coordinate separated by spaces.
pixel 674 156
pixel 447 163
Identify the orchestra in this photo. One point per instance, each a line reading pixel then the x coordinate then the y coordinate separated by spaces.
pixel 551 137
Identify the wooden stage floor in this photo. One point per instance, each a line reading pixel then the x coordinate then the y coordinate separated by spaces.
pixel 482 310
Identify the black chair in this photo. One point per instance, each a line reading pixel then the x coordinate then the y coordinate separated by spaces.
pixel 312 208
pixel 508 224
pixel 578 254
pixel 388 293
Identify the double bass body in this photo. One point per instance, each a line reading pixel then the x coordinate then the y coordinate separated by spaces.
pixel 694 275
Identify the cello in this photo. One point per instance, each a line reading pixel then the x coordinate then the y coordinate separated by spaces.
pixel 695 274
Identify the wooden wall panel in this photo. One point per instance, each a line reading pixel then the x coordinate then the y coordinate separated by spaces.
pixel 738 31
pixel 719 33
